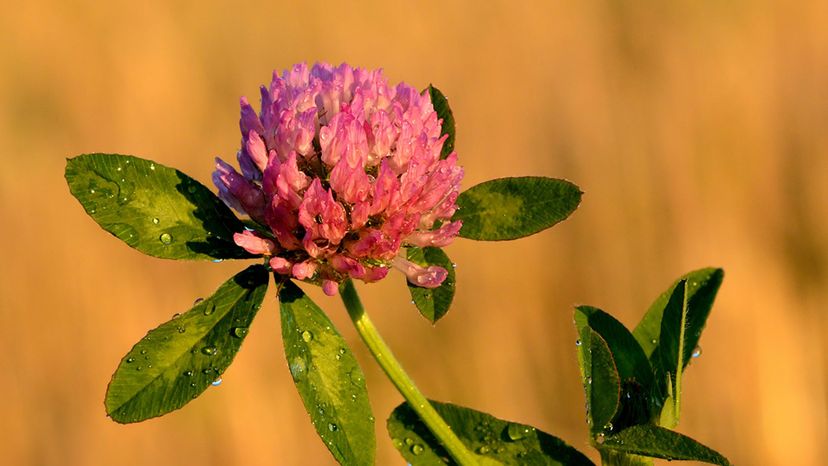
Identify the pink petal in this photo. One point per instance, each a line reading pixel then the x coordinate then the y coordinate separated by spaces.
pixel 280 265
pixel 344 264
pixel 438 238
pixel 351 184
pixel 256 150
pixel 304 270
pixel 282 221
pixel 254 244
pixel 321 215
pixel 330 287
pixel 249 121
pixel 426 277
pixel 245 193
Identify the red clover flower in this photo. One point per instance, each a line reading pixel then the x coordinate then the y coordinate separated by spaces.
pixel 342 170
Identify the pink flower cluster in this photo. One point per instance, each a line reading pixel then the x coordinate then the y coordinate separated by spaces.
pixel 342 170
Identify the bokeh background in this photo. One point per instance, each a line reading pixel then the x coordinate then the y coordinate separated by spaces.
pixel 696 128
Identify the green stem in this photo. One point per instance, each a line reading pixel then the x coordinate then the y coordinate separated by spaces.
pixel 416 400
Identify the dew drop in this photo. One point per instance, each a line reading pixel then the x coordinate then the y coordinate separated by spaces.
pixel 483 450
pixel 356 377
pixel 600 439
pixel 239 332
pixel 516 432
pixel 209 309
pixel 416 449
pixel 397 443
pixel 307 336
pixel 207 371
pixel 130 360
pixel 209 350
pixel 152 166
pixel 409 441
pixel 589 380
pixel 654 341
pixel 176 315
pixel 216 261
pixel 181 329
pixel 333 427
pixel 166 238
pixel 697 351
pixel 91 191
pixel 188 373
pixel 216 382
pixel 298 367
pixel 342 350
pixel 155 220
pixel 577 342
pixel 143 351
pixel 608 426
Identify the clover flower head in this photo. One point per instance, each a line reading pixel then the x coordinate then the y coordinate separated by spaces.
pixel 341 171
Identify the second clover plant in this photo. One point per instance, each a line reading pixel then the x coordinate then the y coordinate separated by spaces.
pixel 342 176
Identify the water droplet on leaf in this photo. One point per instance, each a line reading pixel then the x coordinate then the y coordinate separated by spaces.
pixel 307 336
pixel 577 342
pixel 129 360
pixel 216 382
pixel 333 427
pixel 483 450
pixel 517 432
pixel 417 449
pixel 239 332
pixel 697 351
pixel 155 220
pixel 356 377
pixel 166 238
pixel 209 350
pixel 188 373
pixel 298 368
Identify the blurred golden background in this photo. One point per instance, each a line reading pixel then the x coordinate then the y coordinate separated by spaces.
pixel 697 130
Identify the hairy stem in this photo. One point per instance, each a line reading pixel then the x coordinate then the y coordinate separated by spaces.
pixel 416 400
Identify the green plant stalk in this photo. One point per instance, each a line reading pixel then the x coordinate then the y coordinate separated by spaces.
pixel 418 402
